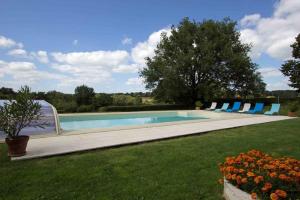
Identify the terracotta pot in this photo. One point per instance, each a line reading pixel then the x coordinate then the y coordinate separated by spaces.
pixel 17 146
pixel 292 114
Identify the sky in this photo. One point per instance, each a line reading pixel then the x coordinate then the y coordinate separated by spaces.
pixel 58 45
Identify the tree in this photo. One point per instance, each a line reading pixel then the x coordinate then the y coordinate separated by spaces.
pixel 84 95
pixel 291 68
pixel 103 99
pixel 201 60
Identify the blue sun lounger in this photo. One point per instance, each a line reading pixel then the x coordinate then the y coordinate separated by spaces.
pixel 257 109
pixel 274 109
pixel 224 107
pixel 236 107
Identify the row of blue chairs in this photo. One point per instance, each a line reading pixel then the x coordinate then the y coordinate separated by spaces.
pixel 258 108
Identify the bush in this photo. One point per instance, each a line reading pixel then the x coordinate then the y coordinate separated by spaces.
pixel 85 108
pixel 263 176
pixel 293 106
pixel 125 100
pixel 143 108
pixel 102 99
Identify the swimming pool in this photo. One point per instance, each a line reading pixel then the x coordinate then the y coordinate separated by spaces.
pixel 92 121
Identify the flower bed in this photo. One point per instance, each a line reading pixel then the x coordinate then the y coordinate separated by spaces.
pixel 262 176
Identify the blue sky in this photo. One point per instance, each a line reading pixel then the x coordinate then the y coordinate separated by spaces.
pixel 57 45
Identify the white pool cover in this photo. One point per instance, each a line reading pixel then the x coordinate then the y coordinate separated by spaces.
pixel 48 118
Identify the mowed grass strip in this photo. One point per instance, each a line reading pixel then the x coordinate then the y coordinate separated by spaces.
pixel 182 168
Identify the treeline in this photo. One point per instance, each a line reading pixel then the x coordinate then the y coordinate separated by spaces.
pixel 84 99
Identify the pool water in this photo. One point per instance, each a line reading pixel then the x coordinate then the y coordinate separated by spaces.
pixel 77 122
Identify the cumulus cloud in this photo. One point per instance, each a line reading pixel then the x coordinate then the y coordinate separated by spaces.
pixel 146 48
pixel 126 41
pixel 41 56
pixel 26 72
pixel 92 58
pixel 7 43
pixel 17 53
pixel 273 35
pixel 250 20
pixel 132 68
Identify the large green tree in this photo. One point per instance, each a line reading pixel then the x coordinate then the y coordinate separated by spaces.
pixel 84 95
pixel 201 60
pixel 291 68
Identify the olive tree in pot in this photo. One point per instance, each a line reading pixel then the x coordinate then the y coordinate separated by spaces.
pixel 198 105
pixel 17 114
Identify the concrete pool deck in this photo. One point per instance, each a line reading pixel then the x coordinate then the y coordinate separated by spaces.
pixel 69 143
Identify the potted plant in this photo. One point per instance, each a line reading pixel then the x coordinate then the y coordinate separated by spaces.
pixel 17 114
pixel 293 108
pixel 256 175
pixel 198 105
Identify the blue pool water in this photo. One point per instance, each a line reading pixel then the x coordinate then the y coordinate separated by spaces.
pixel 77 122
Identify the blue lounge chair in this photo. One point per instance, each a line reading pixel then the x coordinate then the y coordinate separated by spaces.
pixel 236 106
pixel 274 109
pixel 257 109
pixel 224 107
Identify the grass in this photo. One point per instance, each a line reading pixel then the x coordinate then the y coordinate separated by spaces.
pixel 182 168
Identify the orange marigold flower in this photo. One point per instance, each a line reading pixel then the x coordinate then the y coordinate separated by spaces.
pixel 273 175
pixel 244 180
pixel 228 176
pixel 282 176
pixel 250 174
pixel 233 176
pixel 241 171
pixel 258 179
pixel 274 196
pixel 239 180
pixel 264 189
pixel 253 195
pixel 281 193
pixel 268 185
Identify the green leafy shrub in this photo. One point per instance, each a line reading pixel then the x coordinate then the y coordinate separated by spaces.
pixel 293 106
pixel 143 108
pixel 85 108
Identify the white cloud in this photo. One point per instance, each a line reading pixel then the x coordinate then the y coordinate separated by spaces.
pixel 270 72
pixel 126 41
pixel 146 48
pixel 282 85
pixel 126 68
pixel 75 42
pixel 135 81
pixel 26 73
pixel 273 35
pixel 92 67
pixel 41 56
pixel 7 43
pixel 99 59
pixel 17 53
pixel 250 20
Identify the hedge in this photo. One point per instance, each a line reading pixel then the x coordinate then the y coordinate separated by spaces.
pixel 143 108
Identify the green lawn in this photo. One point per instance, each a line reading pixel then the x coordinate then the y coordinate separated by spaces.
pixel 183 168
